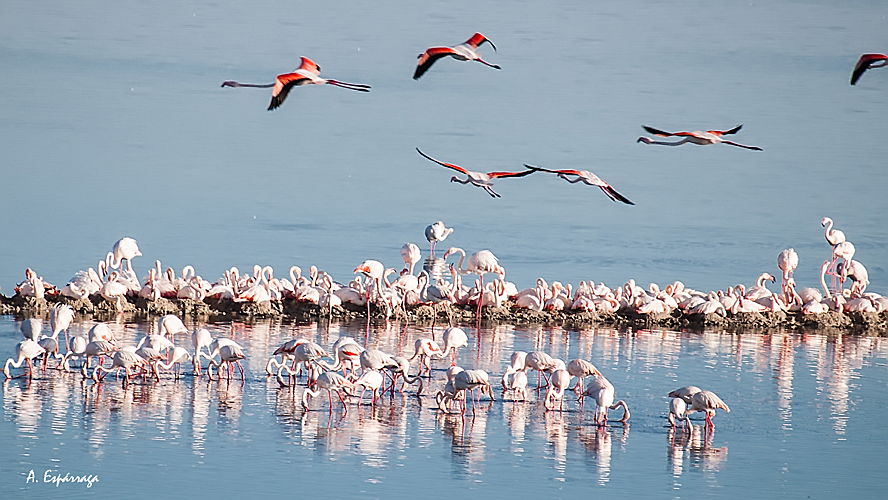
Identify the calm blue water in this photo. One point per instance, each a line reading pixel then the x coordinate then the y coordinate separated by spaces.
pixel 806 417
pixel 114 124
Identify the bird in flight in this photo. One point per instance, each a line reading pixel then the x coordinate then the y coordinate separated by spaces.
pixel 867 61
pixel 467 51
pixel 586 177
pixel 307 73
pixel 696 137
pixel 480 179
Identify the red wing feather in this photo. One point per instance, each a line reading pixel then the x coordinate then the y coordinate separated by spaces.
pixel 282 85
pixel 427 58
pixel 494 175
pixel 863 64
pixel 309 65
pixel 726 132
pixel 477 39
pixel 443 164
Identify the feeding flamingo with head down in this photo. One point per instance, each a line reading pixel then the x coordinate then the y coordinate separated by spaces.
pixel 307 73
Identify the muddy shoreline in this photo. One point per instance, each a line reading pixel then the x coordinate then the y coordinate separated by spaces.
pixel 99 309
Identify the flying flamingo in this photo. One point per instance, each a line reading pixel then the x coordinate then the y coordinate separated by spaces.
pixel 480 179
pixel 866 61
pixel 589 178
pixel 696 137
pixel 467 51
pixel 480 263
pixel 436 232
pixel 307 73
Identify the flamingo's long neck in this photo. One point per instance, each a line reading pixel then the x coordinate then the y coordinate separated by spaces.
pixel 826 231
pixel 823 269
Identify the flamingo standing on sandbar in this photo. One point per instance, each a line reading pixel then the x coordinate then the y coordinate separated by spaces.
pixel 866 61
pixel 480 263
pixel 696 137
pixel 787 261
pixel 589 178
pixel 480 179
pixel 467 51
pixel 307 73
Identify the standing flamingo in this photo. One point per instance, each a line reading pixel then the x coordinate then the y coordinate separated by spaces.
pixel 602 391
pixel 867 61
pixel 787 261
pixel 410 254
pixel 25 351
pixel 60 318
pixel 436 232
pixel 479 179
pixel 589 178
pixel 126 248
pixel 467 51
pixel 307 73
pixel 480 263
pixel 708 402
pixel 696 137
pixel 372 269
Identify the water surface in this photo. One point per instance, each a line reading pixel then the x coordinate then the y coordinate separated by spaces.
pixel 806 416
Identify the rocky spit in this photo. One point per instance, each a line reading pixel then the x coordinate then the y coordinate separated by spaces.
pixel 96 307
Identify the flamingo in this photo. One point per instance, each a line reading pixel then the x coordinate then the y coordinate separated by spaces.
pixel 370 379
pixel 866 61
pixel 307 73
pixel 678 409
pixel 374 270
pixel 559 381
pixel 857 273
pixel 602 390
pixel 581 369
pixel 60 318
pixel 126 248
pixel 453 338
pixel 787 261
pixel 467 51
pixel 696 137
pixel 170 325
pixel 479 179
pixel 480 263
pixel 25 351
pixel 586 177
pixel 410 254
pixel 436 232
pixel 331 381
pixel 123 359
pixel 708 402
pixel 230 353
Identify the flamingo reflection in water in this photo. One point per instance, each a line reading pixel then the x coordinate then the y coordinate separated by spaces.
pixel 697 444
pixel 598 442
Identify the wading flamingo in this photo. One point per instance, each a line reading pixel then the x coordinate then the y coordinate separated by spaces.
pixel 479 179
pixel 708 402
pixel 307 73
pixel 436 232
pixel 589 178
pixel 602 391
pixel 25 351
pixel 467 51
pixel 867 61
pixel 696 137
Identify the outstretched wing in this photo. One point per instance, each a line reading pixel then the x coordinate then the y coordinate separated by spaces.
pixel 477 39
pixel 864 64
pixel 654 131
pixel 310 66
pixel 726 132
pixel 443 164
pixel 494 175
pixel 282 85
pixel 427 58
pixel 541 169
pixel 614 195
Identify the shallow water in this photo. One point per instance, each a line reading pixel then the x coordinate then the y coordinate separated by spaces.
pixel 806 417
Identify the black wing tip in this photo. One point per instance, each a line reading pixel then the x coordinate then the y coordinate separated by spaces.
pixel 734 130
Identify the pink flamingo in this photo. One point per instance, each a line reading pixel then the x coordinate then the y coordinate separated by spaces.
pixel 480 179
pixel 696 137
pixel 307 73
pixel 467 51
pixel 589 178
pixel 480 263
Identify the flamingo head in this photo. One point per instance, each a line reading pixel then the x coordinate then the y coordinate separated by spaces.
pixel 824 221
